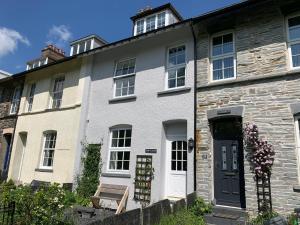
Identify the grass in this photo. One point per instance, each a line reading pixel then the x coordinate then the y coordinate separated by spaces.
pixel 183 217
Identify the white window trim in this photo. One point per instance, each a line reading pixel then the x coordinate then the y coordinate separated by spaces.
pixel 41 166
pixel 175 67
pixel 212 58
pixel 116 149
pixel 289 42
pixel 28 97
pixel 12 101
pixel 156 21
pixel 297 132
pixel 115 78
pixel 51 91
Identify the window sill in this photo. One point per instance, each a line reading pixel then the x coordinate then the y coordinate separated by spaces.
pixel 117 175
pixel 296 188
pixel 122 99
pixel 44 170
pixel 174 91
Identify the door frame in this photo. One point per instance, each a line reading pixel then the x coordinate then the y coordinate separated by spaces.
pixel 241 165
pixel 168 153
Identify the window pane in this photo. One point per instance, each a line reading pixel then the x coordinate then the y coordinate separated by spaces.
pixel 228 73
pixel 296 55
pixel 185 155
pixel 150 23
pixel 114 143
pixel 172 83
pixel 227 48
pixel 88 45
pixel 125 67
pixel 127 142
pixel 119 165
pixel 181 72
pixel 179 145
pixel 180 82
pixel 173 166
pixel 294 33
pixel 126 155
pixel 113 156
pixel 179 165
pixel 81 47
pixel 140 26
pixel 112 165
pixel 121 143
pixel 217 50
pixel 217 41
pixel 172 74
pixel 181 59
pixel 128 133
pixel 217 75
pixel 179 155
pixel 227 38
pixel 126 165
pixel 161 19
pixel 228 62
pixel 184 166
pixel 173 155
pixel 217 64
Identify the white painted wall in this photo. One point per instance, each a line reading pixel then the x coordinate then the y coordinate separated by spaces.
pixel 148 112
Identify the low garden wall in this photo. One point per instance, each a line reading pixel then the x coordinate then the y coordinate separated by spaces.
pixel 150 215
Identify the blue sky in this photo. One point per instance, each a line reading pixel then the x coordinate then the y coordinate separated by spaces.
pixel 27 26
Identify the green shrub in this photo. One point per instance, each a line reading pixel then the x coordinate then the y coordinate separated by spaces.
pixel 45 206
pixel 200 207
pixel 88 182
pixel 262 218
pixel 183 217
pixel 292 219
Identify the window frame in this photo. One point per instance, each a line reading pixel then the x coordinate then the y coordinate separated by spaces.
pixel 291 42
pixel 52 92
pixel 297 140
pixel 116 78
pixel 223 56
pixel 29 105
pixel 118 149
pixel 176 67
pixel 156 22
pixel 41 164
pixel 15 101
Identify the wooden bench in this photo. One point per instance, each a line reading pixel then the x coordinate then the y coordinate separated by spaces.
pixel 112 192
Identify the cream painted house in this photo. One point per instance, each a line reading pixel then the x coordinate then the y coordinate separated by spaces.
pixel 46 133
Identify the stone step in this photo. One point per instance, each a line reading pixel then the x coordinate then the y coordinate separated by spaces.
pixel 235 212
pixel 226 216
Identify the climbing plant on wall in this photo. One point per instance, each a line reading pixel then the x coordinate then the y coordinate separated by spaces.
pixel 88 181
pixel 260 152
pixel 260 155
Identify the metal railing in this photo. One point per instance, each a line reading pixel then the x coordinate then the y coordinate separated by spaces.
pixel 7 212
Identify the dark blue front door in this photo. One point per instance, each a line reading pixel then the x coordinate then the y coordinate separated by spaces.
pixel 228 163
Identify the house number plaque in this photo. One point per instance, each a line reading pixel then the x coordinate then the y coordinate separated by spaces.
pixel 151 150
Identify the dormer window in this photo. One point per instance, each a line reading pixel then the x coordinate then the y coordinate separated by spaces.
pixel 86 44
pixel 150 19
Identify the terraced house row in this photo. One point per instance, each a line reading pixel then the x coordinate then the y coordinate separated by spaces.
pixel 179 90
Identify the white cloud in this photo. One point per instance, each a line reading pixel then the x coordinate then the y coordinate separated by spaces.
pixel 9 40
pixel 59 35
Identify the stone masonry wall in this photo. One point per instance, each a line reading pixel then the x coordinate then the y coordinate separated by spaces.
pixel 261 52
pixel 260 42
pixel 266 103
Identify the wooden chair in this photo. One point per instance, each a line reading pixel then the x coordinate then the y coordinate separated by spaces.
pixel 112 192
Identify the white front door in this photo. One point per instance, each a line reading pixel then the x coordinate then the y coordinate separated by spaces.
pixel 176 167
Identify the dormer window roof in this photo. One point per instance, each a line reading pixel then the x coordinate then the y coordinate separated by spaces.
pixel 85 44
pixel 150 19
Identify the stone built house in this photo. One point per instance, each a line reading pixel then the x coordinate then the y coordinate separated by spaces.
pixel 10 92
pixel 248 70
pixel 151 94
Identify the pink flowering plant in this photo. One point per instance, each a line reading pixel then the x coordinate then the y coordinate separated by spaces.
pixel 260 153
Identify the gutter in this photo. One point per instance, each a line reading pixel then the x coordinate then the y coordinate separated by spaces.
pixel 195 104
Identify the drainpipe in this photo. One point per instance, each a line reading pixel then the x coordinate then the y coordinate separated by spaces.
pixel 195 103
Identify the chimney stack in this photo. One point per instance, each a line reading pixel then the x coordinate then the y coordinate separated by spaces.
pixel 53 53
